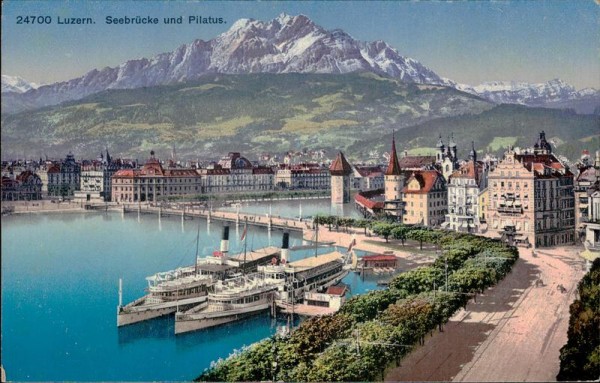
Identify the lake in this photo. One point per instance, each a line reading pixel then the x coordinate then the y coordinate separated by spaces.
pixel 60 277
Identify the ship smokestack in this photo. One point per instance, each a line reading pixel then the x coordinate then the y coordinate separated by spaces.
pixel 225 240
pixel 285 247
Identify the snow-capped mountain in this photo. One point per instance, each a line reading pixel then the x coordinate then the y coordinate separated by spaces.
pixel 286 44
pixel 16 84
pixel 511 92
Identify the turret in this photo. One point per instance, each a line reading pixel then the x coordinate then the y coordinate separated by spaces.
pixel 473 153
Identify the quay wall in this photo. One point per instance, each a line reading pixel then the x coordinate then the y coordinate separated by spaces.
pixel 183 210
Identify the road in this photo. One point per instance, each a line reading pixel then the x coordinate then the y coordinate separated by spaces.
pixel 512 333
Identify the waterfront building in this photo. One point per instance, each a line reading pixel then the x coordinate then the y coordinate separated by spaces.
pixel 425 199
pixel 340 171
pixel 235 173
pixel 302 176
pixel 64 177
pixel 367 177
pixel 152 183
pixel 394 183
pixel 586 183
pixel 378 260
pixel 27 186
pixel 464 188
pixel 531 198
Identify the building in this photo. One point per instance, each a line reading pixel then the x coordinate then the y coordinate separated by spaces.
pixel 585 185
pixel 152 183
pixel 531 199
pixel 394 183
pixel 446 156
pixel 425 199
pixel 64 177
pixel 302 176
pixel 27 186
pixel 367 177
pixel 464 188
pixel 234 173
pixel 378 260
pixel 340 171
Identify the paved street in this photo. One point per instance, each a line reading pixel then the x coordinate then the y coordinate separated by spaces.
pixel 512 333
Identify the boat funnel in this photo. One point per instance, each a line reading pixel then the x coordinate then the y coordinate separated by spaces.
pixel 285 247
pixel 225 240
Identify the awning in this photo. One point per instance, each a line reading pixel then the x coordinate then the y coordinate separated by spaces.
pixel 445 224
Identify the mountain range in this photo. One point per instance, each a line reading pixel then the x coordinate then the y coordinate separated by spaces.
pixel 286 44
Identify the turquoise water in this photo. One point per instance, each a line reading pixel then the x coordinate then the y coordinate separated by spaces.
pixel 60 277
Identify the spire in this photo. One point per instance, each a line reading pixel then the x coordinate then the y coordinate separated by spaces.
pixel 108 159
pixel 473 153
pixel 452 144
pixel 393 168
pixel 440 143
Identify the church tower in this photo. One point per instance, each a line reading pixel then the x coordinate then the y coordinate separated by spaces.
pixel 340 180
pixel 394 183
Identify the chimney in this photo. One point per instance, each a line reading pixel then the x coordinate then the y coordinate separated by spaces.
pixel 285 247
pixel 225 240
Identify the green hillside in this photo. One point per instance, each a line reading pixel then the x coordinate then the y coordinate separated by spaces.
pixel 495 129
pixel 220 113
pixel 276 113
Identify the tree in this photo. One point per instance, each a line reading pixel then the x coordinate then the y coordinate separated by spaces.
pixel 400 232
pixel 383 230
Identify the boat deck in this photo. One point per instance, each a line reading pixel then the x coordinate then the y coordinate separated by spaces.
pixel 305 310
pixel 311 262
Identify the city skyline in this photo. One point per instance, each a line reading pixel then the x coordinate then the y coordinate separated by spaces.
pixel 466 42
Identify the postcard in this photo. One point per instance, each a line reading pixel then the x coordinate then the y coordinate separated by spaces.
pixel 299 191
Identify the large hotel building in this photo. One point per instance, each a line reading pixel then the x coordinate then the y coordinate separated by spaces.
pixel 531 197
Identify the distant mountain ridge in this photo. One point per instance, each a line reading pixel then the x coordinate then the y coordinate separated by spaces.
pixel 523 93
pixel 286 44
pixel 16 84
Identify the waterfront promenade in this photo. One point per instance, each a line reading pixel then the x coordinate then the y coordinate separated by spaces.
pixel 513 332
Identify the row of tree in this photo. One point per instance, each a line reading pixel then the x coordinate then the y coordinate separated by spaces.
pixel 375 330
pixel 580 357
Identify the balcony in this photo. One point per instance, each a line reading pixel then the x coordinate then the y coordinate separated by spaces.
pixel 510 210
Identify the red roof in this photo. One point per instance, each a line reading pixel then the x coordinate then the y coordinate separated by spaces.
pixel 379 257
pixel 469 170
pixel 393 168
pixel 426 179
pixel 368 203
pixel 340 167
pixel 336 290
pixel 416 162
pixel 125 173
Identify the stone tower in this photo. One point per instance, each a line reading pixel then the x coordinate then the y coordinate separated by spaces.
pixel 340 179
pixel 394 183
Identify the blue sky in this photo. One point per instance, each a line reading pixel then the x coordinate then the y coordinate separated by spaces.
pixel 469 42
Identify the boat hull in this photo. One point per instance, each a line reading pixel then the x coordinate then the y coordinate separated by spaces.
pixel 201 321
pixel 136 314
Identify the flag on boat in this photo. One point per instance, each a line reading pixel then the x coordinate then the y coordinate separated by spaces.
pixel 244 233
pixel 217 253
pixel 352 244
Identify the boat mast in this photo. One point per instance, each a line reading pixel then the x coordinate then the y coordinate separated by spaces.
pixel 120 292
pixel 245 242
pixel 316 236
pixel 197 244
